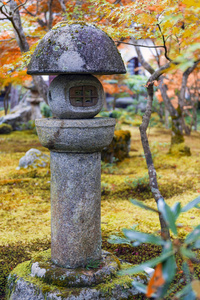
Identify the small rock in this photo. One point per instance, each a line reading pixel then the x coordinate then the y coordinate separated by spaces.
pixel 33 158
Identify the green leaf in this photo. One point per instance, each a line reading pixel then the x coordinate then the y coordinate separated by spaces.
pixel 192 204
pixel 169 268
pixel 186 290
pixel 140 204
pixel 186 271
pixel 150 263
pixel 193 236
pixel 190 295
pixel 187 252
pixel 114 239
pixel 142 237
pixel 176 209
pixel 168 215
pixel 140 286
pixel 197 244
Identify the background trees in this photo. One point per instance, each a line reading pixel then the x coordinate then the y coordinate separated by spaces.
pixel 23 23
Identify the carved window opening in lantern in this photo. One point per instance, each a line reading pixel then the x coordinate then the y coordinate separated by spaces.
pixel 83 96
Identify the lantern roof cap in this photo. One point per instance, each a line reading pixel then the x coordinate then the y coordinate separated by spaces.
pixel 76 48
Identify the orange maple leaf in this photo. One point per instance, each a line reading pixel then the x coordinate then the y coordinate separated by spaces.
pixel 151 8
pixel 156 281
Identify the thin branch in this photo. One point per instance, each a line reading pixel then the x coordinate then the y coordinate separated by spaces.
pixel 30 13
pixel 50 2
pixel 149 160
pixel 4 13
pixel 133 44
pixel 117 2
pixel 5 8
pixel 62 4
pixel 17 7
pixel 7 40
pixel 143 62
pixel 184 81
pixel 166 99
pixel 156 56
pixel 164 43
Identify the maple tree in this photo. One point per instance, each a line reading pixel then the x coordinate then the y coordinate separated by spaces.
pixel 172 84
pixel 169 24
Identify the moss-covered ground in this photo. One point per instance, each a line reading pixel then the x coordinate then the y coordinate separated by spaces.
pixel 25 196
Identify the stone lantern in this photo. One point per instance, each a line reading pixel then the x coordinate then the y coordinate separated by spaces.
pixel 75 138
pixel 34 99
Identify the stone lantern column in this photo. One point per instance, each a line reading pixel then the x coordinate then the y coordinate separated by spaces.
pixel 75 138
pixel 75 146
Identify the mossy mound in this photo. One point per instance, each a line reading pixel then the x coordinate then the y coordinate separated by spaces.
pixel 22 283
pixel 94 273
pixel 180 150
pixel 119 147
pixel 5 128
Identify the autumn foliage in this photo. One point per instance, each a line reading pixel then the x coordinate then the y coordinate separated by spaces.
pixel 36 22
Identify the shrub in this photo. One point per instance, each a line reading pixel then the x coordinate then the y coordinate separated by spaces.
pixel 119 147
pixel 140 184
pixel 161 284
pixel 30 125
pixel 5 128
pixel 45 110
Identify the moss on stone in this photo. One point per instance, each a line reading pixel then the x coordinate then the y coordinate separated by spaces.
pixel 117 261
pixel 43 256
pixel 23 271
pixel 5 128
pixel 179 149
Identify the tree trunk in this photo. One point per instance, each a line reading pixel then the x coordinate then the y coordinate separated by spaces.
pixel 177 130
pixel 176 116
pixel 114 102
pixel 24 47
pixel 18 29
pixel 148 156
pixel 6 99
pixel 166 118
pixel 14 97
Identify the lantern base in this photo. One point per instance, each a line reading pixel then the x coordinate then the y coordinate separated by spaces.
pixel 40 279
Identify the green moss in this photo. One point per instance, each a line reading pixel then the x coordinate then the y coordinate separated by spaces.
pixel 42 256
pixel 124 281
pixel 70 22
pixel 25 205
pixel 23 271
pixel 117 261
